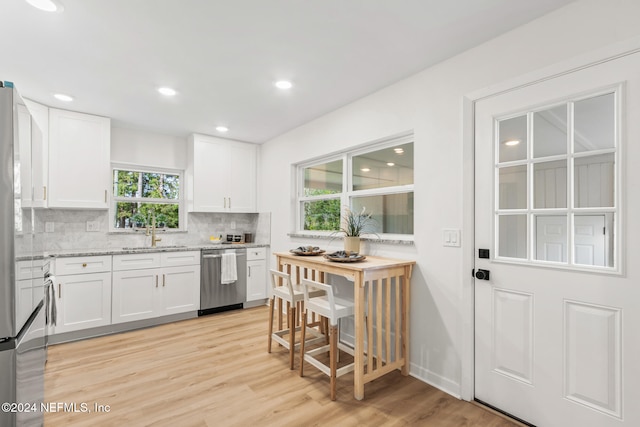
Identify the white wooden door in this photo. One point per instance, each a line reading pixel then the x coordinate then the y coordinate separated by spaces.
pixel 556 330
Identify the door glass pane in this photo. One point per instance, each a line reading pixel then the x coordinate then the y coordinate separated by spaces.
pixel 388 167
pixel 325 178
pixel 593 239
pixel 550 132
pixel 594 123
pixel 393 213
pixel 551 238
pixel 321 214
pixel 550 185
pixel 512 234
pixel 512 139
pixel 513 187
pixel 594 181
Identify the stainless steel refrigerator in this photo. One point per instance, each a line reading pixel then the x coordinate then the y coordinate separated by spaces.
pixel 22 313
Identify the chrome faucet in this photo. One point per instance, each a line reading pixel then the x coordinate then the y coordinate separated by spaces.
pixel 152 232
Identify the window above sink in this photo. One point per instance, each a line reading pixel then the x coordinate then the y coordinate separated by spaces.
pixel 139 193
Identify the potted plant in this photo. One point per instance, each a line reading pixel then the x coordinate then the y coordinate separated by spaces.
pixel 161 220
pixel 354 224
pixel 138 220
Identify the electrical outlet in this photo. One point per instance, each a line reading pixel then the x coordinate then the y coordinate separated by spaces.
pixel 48 227
pixel 93 225
pixel 233 225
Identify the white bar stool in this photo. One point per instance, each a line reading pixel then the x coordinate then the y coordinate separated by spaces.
pixel 293 295
pixel 333 309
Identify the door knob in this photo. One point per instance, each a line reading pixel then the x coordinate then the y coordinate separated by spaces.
pixel 482 274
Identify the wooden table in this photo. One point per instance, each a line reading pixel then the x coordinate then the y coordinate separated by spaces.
pixel 382 290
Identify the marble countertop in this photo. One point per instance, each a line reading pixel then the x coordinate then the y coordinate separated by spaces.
pixel 138 249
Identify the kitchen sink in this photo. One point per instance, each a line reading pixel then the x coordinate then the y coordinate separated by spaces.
pixel 149 248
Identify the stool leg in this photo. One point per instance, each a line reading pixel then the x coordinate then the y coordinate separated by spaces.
pixel 292 334
pixel 303 333
pixel 273 302
pixel 333 353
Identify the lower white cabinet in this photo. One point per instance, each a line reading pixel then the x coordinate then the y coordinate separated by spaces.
pixel 82 292
pixel 155 284
pixel 256 274
pixel 82 301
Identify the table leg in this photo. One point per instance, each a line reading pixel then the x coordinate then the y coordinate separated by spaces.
pixel 405 319
pixel 358 373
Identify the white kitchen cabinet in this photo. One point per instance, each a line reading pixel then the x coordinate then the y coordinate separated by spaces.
pixel 24 154
pixel 180 290
pixel 221 175
pixel 149 285
pixel 79 160
pixel 134 295
pixel 39 152
pixel 256 274
pixel 82 301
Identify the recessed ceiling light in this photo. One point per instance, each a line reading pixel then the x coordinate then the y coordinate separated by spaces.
pixel 47 5
pixel 512 142
pixel 365 169
pixel 391 164
pixel 62 97
pixel 398 150
pixel 167 91
pixel 283 84
pixel 222 128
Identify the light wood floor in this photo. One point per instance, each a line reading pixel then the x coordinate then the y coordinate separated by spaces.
pixel 215 371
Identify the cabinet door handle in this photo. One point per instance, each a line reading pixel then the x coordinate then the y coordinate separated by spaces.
pixel 249 271
pixel 105 196
pixel 163 280
pixel 84 264
pixel 156 280
pixel 59 291
pixel 225 203
pixel 44 192
pixel 229 202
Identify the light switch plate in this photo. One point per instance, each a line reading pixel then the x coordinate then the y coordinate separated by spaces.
pixel 451 237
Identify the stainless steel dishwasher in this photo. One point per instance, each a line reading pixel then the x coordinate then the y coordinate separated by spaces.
pixel 216 296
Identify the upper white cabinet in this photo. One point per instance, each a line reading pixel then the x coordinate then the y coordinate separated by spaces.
pixel 79 160
pixel 221 175
pixel 39 151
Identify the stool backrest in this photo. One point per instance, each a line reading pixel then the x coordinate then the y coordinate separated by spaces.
pixel 328 289
pixel 276 276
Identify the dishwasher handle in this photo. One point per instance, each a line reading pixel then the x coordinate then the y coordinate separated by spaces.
pixel 220 256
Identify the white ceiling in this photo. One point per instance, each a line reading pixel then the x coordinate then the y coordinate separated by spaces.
pixel 223 56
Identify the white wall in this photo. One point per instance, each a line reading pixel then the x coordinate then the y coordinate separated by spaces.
pixel 148 148
pixel 431 104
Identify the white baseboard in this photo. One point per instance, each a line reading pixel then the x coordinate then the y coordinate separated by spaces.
pixel 435 380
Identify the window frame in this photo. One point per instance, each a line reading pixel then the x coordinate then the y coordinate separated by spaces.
pixel 348 193
pixel 148 169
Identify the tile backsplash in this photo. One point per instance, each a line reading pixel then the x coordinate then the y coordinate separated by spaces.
pixel 70 229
